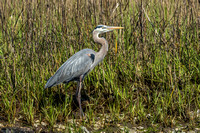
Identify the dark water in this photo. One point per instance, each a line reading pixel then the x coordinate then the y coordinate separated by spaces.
pixel 15 130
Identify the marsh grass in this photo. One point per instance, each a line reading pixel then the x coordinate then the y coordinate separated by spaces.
pixel 153 78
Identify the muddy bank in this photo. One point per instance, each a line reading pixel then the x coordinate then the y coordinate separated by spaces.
pixel 97 128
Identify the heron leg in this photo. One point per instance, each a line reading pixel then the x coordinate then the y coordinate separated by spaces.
pixel 78 97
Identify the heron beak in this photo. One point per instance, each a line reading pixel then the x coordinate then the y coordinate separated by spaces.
pixel 114 28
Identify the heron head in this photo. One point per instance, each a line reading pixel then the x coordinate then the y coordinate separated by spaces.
pixel 103 28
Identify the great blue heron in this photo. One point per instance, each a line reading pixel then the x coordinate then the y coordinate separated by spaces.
pixel 81 63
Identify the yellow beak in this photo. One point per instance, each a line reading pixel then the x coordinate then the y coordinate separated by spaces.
pixel 113 28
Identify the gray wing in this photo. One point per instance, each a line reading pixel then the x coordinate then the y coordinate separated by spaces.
pixel 77 65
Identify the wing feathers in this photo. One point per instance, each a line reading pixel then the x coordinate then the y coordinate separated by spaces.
pixel 77 65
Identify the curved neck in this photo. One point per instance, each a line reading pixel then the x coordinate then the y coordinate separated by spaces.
pixel 104 45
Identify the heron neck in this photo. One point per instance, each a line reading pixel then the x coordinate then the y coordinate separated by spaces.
pixel 104 45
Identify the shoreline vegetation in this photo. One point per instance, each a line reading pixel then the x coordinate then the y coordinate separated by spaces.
pixel 151 82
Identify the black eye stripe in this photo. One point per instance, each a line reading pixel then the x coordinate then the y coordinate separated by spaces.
pixel 100 26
